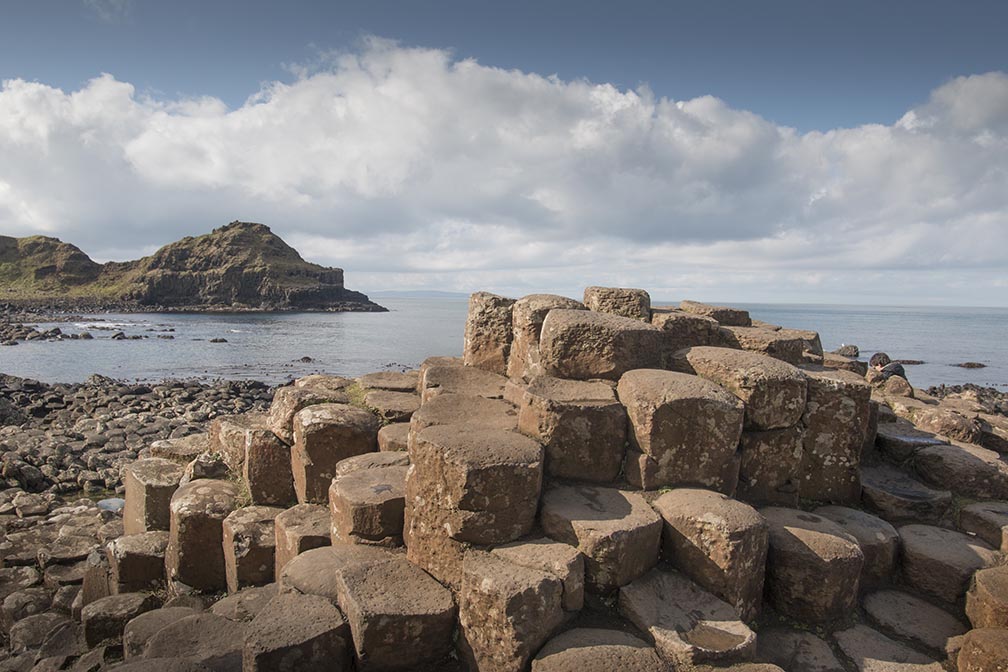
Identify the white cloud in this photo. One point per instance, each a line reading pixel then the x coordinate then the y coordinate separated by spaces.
pixel 410 168
pixel 110 11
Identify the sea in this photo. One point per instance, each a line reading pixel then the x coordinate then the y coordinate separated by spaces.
pixel 277 347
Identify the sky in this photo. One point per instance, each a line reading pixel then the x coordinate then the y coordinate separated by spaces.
pixel 793 151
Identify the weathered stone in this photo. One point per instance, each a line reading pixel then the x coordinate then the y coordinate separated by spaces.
pixel 984 650
pixel 583 344
pixel 769 466
pixel 686 330
pixel 181 450
pixel 964 469
pixel 325 382
pixel 785 346
pixel 688 625
pixel 940 562
pixel 486 482
pixel 622 301
pixel 299 529
pixel 872 651
pixel 231 435
pixel 428 544
pixel 488 334
pixel 553 557
pixel 288 400
pixel 394 437
pixel 729 317
pixel 104 619
pixel 832 360
pixel 987 598
pixel 813 566
pixel 796 650
pixel 56 576
pixel 392 406
pixel 900 440
pixel 205 466
pixel 245 604
pixel 835 421
pixel 774 392
pixel 370 461
pixel 527 316
pixel 948 423
pixel 366 506
pixel 23 603
pixel 140 629
pixel 96 578
pixel 150 484
pixel 435 361
pixel 689 427
pixel 596 650
pixel 897 386
pixel 464 380
pixel 201 638
pixel 718 542
pixel 506 611
pixel 195 554
pixel 267 469
pixel 13 579
pixel 580 424
pixel 463 409
pixel 297 633
pixel 911 619
pixel 30 632
pixel 878 540
pixel 393 381
pixel 898 498
pixel 137 562
pixel 324 434
pixel 250 546
pixel 618 533
pixel 987 520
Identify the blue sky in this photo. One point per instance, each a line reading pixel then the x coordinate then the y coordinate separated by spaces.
pixel 786 151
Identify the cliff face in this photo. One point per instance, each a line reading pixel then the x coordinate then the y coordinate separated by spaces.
pixel 240 266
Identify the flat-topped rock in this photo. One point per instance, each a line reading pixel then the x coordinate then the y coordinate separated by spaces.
pixel 769 466
pixel 878 540
pixel 393 381
pixel 911 619
pixel 984 650
pixel 230 435
pixel 290 399
pixel 366 505
pixel 685 330
pixel 150 484
pixel 299 529
pixel 580 424
pixel 687 624
pixel 202 638
pixel 182 449
pixel 622 301
pixel 871 651
pixel 30 632
pixel 463 409
pixel 297 633
pixel 729 317
pixel 324 381
pixel 686 427
pixel 561 560
pixel 949 423
pixel 987 520
pixel 394 437
pixel 774 392
pixel 940 562
pixel 139 630
pixel 103 620
pixel 485 481
pixel 195 554
pixel 527 316
pixel 900 440
pixel 718 542
pixel 987 598
pixel 324 434
pixel 506 611
pixel 395 407
pixel 137 562
pixel 488 333
pixel 796 650
pixel 786 346
pixel 465 380
pixel 616 530
pixel 964 469
pixel 813 566
pixel 583 344
pixel 367 461
pixel 597 650
pixel 245 604
pixel 250 546
pixel 897 497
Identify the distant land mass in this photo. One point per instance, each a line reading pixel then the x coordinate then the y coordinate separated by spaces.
pixel 240 267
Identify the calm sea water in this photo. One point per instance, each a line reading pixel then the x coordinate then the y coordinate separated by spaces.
pixel 269 347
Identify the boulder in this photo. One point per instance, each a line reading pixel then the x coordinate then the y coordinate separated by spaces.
pixel 769 466
pixel 366 506
pixel 618 533
pixel 987 520
pixel 232 435
pixel 785 346
pixel 202 638
pixel 832 360
pixel 394 437
pixel 686 330
pixel 150 484
pixel 299 529
pixel 465 380
pixel 461 409
pixel 597 650
pixel 582 344
pixel 878 540
pixel 267 470
pixel 900 440
pixel 140 629
pixel 910 619
pixel 949 423
pixel 31 631
pixel 965 469
pixel 622 301
pixel 488 332
pixel 250 546
pixel 872 651
pixel 297 633
pixel 324 434
pixel 394 407
pixel 527 316
pixel 137 562
pixel 940 562
pixel 987 598
pixel 246 603
pixel 687 427
pixel 553 557
pixel 898 498
pixel 984 650
pixel 288 400
pixel 181 450
pixel 435 361
pixel 688 625
pixel 393 381
pixel 506 611
pixel 718 542
pixel 103 620
pixel 813 566
pixel 729 317
pixel 195 554
pixel 580 424
pixel 774 392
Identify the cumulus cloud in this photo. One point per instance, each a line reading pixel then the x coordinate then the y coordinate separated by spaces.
pixel 411 168
pixel 110 11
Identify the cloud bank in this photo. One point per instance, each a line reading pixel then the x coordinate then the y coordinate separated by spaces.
pixel 412 169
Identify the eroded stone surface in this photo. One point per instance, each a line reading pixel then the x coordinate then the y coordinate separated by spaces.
pixel 150 484
pixel 912 619
pixel 987 598
pixel 582 344
pixel 465 380
pixel 299 529
pixel 987 520
pixel 897 497
pixel 195 554
pixel 796 650
pixel 769 466
pixel 871 651
pixel 366 506
pixel 527 316
pixel 940 562
pixel 297 633
pixel 984 650
pixel 288 400
pixel 878 540
pixel 561 560
pixel 250 546
pixel 488 332
pixel 324 434
pixel 730 317
pixel 622 301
